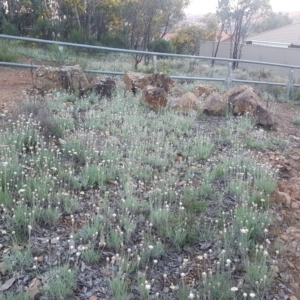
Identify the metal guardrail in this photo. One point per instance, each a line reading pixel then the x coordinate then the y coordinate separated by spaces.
pixel 8 64
pixel 228 80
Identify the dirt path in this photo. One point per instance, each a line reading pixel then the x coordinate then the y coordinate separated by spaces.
pixel 284 233
pixel 13 85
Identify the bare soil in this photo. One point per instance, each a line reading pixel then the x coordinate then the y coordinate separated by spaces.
pixel 13 85
pixel 285 231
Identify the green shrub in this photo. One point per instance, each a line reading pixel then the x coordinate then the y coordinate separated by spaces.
pixel 43 29
pixel 15 296
pixel 296 122
pixel 77 36
pixel 60 283
pixel 276 91
pixel 296 94
pixel 18 261
pixel 162 46
pixel 119 288
pixel 58 54
pixel 91 256
pixel 114 40
pixel 10 28
pixel 6 53
pixel 256 144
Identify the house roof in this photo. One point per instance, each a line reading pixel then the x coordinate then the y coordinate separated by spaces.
pixel 224 37
pixel 285 36
pixel 168 36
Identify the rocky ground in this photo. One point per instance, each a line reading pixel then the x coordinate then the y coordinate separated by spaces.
pixel 285 231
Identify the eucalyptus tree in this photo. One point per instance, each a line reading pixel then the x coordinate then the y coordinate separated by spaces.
pixel 91 18
pixel 24 13
pixel 272 21
pixel 149 19
pixel 188 38
pixel 238 17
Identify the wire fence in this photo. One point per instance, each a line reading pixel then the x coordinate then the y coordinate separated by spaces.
pixel 228 79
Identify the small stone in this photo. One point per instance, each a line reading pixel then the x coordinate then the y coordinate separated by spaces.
pixel 2 268
pixel 294 286
pixel 290 264
pixel 281 198
pixel 292 229
pixel 61 141
pixel 54 241
pixel 294 205
pixel 93 298
pixel 179 159
pixel 295 157
pixel 34 289
pixel 69 104
pixel 48 97
pixel 293 298
pixel 40 259
pixel 296 235
pixel 284 237
pixel 275 270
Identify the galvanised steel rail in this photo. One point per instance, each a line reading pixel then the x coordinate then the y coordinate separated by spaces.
pixel 228 80
pixel 8 64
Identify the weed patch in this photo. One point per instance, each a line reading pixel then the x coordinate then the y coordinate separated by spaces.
pixel 125 197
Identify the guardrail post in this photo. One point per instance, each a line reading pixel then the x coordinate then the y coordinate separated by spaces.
pixel 154 63
pixel 289 85
pixel 228 78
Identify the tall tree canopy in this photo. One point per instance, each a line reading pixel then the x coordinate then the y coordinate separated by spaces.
pixel 24 13
pixel 129 23
pixel 273 21
pixel 149 19
pixel 116 23
pixel 188 38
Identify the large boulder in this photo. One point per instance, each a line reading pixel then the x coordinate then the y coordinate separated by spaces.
pixel 162 80
pixel 187 103
pixel 242 100
pixel 103 87
pixel 138 81
pixel 204 90
pixel 135 81
pixel 69 78
pixel 155 98
pixel 215 105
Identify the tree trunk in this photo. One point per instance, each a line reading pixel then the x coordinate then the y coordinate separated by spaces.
pixel 137 59
pixel 77 17
pixel 237 39
pixel 166 28
pixel 218 43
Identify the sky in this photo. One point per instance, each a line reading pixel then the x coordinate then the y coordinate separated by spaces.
pixel 205 6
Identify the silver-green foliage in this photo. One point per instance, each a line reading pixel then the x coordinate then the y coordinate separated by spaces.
pixel 59 283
